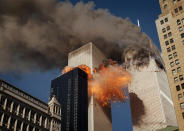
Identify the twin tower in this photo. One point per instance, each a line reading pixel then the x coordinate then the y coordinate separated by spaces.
pixel 83 113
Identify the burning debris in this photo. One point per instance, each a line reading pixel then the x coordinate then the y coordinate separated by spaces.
pixel 107 83
pixel 39 34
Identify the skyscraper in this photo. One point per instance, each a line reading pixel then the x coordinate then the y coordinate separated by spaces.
pixel 99 118
pixel 70 90
pixel 170 30
pixel 150 98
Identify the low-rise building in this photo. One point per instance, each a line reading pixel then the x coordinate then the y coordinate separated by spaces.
pixel 19 111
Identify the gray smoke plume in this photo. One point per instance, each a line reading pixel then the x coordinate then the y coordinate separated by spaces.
pixel 39 34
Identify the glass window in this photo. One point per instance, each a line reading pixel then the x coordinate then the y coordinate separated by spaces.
pixel 175 54
pixel 170 56
pixel 176 10
pixel 180 8
pixel 165 36
pixel 178 87
pixel 177 61
pixel 161 22
pixel 171 40
pixel 165 6
pixel 180 28
pixel 169 49
pixel 181 77
pixel 166 43
pixel 168 28
pixel 175 79
pixel 169 34
pixel 178 22
pixel 174 72
pixel 182 35
pixel 163 30
pixel 182 85
pixel 182 105
pixel 173 47
pixel 179 96
pixel 174 1
pixel 179 69
pixel 182 20
pixel 166 19
pixel 172 64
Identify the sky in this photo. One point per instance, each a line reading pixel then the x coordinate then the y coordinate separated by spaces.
pixel 38 83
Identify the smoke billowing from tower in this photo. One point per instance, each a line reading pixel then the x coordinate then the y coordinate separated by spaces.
pixel 38 34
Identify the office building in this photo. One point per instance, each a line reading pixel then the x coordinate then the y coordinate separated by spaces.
pixel 150 98
pixel 99 118
pixel 20 111
pixel 71 91
pixel 170 28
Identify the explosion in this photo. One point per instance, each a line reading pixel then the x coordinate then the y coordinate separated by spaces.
pixel 108 82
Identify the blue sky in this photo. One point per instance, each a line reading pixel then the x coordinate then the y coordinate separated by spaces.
pixel 38 83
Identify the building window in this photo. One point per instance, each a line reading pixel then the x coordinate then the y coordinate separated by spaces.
pixel 182 35
pixel 173 47
pixel 177 61
pixel 178 22
pixel 181 77
pixel 174 1
pixel 170 56
pixel 172 64
pixel 182 105
pixel 174 72
pixel 163 30
pixel 176 10
pixel 169 34
pixel 180 28
pixel 179 69
pixel 182 85
pixel 168 28
pixel 175 54
pixel 178 87
pixel 165 6
pixel 165 36
pixel 169 49
pixel 175 79
pixel 179 96
pixel 180 8
pixel 166 43
pixel 161 22
pixel 182 20
pixel 171 40
pixel 166 19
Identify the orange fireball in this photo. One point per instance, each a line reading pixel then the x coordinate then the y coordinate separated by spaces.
pixel 108 82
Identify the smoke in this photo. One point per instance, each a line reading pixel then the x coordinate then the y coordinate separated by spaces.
pixel 39 34
pixel 137 109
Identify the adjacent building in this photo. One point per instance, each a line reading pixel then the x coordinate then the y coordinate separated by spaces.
pixel 71 90
pixel 150 98
pixel 99 118
pixel 19 111
pixel 170 28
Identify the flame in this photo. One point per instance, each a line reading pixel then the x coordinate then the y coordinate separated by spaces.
pixel 107 83
pixel 82 67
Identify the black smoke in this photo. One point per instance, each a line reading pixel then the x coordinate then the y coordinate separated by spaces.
pixel 39 34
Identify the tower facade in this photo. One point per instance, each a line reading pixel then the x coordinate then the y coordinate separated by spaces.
pixel 70 90
pixel 99 118
pixel 150 98
pixel 170 28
